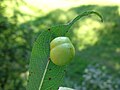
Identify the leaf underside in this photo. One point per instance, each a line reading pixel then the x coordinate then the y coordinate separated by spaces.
pixel 43 74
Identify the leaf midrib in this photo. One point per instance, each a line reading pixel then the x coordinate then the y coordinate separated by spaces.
pixel 41 83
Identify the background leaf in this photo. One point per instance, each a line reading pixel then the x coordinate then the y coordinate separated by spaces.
pixel 43 74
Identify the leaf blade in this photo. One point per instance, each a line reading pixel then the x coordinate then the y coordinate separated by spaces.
pixel 44 75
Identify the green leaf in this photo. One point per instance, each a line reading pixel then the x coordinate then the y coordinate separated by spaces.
pixel 43 74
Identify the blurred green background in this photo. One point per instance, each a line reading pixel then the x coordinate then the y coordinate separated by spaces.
pixel 96 65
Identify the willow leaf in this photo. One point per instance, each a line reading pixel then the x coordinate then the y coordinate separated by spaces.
pixel 43 74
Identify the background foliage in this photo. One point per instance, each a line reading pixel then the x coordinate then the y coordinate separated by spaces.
pixel 97 60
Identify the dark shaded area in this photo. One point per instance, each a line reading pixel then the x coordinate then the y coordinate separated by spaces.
pixel 14 51
pixel 16 43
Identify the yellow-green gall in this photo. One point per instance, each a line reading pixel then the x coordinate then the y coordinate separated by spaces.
pixel 62 51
